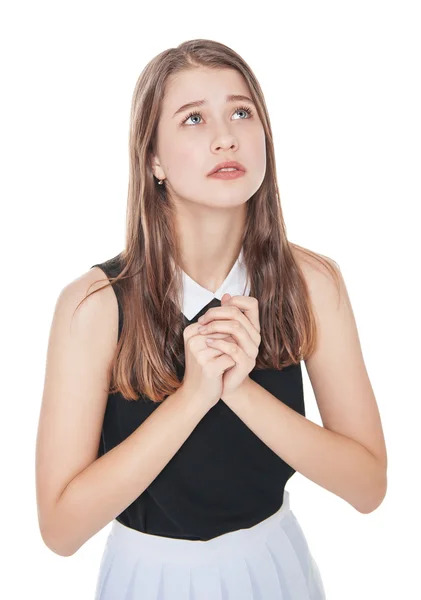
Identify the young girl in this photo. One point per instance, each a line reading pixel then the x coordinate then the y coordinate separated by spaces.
pixel 184 438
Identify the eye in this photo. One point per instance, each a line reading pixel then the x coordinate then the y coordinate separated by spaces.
pixel 246 109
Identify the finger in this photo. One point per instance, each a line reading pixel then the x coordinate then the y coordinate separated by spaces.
pixel 221 336
pixel 232 350
pixel 232 313
pixel 240 336
pixel 237 331
pixel 247 305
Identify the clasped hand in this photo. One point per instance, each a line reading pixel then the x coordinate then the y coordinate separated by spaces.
pixel 237 316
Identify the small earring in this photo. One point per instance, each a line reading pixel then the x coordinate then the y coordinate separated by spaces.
pixel 160 181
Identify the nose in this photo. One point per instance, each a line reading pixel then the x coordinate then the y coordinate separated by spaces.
pixel 226 142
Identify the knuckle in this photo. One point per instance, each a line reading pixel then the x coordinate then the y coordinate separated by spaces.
pixel 191 343
pixel 187 332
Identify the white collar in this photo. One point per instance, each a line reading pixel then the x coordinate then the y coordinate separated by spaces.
pixel 197 297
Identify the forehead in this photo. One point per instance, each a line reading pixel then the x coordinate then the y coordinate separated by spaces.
pixel 202 83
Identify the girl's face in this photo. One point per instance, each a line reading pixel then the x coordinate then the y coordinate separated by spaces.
pixel 217 131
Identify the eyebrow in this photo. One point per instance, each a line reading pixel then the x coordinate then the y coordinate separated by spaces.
pixel 230 98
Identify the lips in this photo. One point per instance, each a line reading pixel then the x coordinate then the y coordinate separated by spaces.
pixel 227 165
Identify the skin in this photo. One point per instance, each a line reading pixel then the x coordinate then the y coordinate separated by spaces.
pixel 210 213
pixel 78 494
pixel 348 454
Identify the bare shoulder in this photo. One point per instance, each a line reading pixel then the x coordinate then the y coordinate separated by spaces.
pixel 81 347
pixel 321 273
pixel 328 292
pixel 336 368
pixel 89 304
pixel 90 281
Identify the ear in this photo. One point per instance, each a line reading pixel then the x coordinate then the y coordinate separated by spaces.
pixel 156 168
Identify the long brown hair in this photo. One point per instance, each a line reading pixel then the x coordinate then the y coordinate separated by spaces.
pixel 149 283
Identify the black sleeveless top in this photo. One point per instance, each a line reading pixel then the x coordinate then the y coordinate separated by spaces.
pixel 223 477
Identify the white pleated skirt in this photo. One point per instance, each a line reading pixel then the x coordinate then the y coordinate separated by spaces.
pixel 269 561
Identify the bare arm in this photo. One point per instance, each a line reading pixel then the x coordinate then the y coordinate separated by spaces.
pixel 78 493
pixel 347 456
pixel 113 481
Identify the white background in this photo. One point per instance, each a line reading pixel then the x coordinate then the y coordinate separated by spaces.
pixel 342 85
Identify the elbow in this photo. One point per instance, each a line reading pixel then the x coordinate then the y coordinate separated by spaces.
pixel 56 543
pixel 374 497
pixel 58 548
pixel 54 532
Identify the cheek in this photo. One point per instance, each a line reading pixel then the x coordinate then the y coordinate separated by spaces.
pixel 188 154
pixel 186 166
pixel 260 148
pixel 258 155
pixel 182 155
